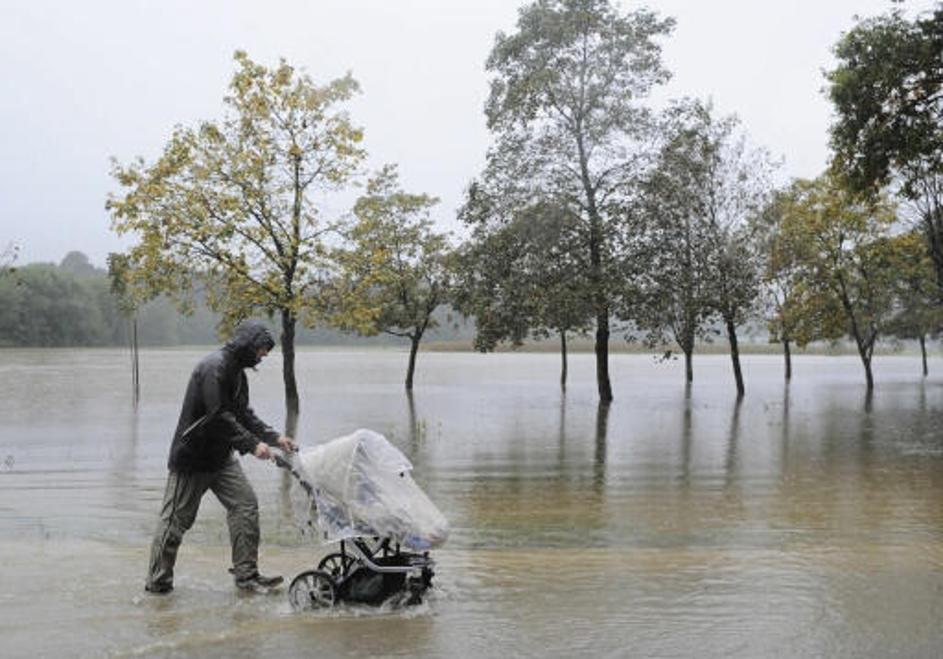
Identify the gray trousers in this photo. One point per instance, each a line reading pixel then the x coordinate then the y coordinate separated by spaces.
pixel 182 500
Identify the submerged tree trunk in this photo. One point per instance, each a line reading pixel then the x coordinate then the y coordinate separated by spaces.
pixel 787 354
pixel 735 355
pixel 602 431
pixel 685 340
pixel 288 373
pixel 563 365
pixel 923 353
pixel 413 350
pixel 869 378
pixel 865 355
pixel 602 358
pixel 865 351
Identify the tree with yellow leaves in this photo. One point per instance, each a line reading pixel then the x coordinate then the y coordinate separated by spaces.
pixel 395 270
pixel 849 263
pixel 236 206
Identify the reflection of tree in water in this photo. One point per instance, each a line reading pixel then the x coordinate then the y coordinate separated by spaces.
pixel 686 425
pixel 854 469
pixel 599 461
pixel 784 431
pixel 561 435
pixel 539 486
pixel 732 458
pixel 124 473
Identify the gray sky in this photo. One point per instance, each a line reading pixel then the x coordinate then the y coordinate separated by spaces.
pixel 83 81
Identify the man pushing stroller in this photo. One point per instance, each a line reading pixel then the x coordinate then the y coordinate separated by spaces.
pixel 215 421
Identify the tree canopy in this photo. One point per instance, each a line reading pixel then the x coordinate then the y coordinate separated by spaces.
pixel 887 90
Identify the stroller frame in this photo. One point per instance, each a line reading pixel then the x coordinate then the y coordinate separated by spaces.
pixel 365 574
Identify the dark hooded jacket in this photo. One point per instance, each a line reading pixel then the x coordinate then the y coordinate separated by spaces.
pixel 216 418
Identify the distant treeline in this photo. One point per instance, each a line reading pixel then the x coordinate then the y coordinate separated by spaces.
pixel 71 304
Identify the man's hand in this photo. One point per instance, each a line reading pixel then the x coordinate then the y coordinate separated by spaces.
pixel 287 444
pixel 262 451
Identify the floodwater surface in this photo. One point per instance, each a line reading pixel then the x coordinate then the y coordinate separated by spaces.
pixel 804 521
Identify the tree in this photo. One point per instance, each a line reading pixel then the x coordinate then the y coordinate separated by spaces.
pixel 77 263
pixel 917 310
pixel 522 280
pixel 564 109
pixel 849 263
pixel 781 278
pixel 673 299
pixel 736 188
pixel 735 285
pixel 233 204
pixel 703 194
pixel 396 271
pixel 118 276
pixel 887 89
pixel 44 306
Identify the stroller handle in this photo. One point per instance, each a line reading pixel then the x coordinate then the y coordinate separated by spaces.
pixel 284 463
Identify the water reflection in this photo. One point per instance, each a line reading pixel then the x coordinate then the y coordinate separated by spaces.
pixel 675 521
pixel 731 462
pixel 599 460
pixel 686 425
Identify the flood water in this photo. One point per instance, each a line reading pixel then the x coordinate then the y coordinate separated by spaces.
pixel 807 521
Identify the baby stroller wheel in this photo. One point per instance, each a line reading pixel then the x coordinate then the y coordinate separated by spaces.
pixel 312 590
pixel 337 564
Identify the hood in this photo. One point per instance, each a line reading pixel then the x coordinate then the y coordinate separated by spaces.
pixel 249 337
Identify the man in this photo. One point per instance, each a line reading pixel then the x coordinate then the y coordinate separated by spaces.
pixel 216 420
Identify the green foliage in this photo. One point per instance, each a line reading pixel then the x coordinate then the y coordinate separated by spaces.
pixel 672 298
pixel 44 306
pixel 522 279
pixel 76 263
pixel 918 313
pixel 887 90
pixel 888 93
pixel 48 305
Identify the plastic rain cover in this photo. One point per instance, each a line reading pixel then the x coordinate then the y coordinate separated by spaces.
pixel 362 487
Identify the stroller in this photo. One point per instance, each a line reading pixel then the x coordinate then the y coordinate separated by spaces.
pixel 367 501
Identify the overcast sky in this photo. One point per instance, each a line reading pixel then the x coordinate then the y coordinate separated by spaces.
pixel 81 82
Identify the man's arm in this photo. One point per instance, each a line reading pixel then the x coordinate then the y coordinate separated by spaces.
pixel 266 433
pixel 258 427
pixel 216 397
